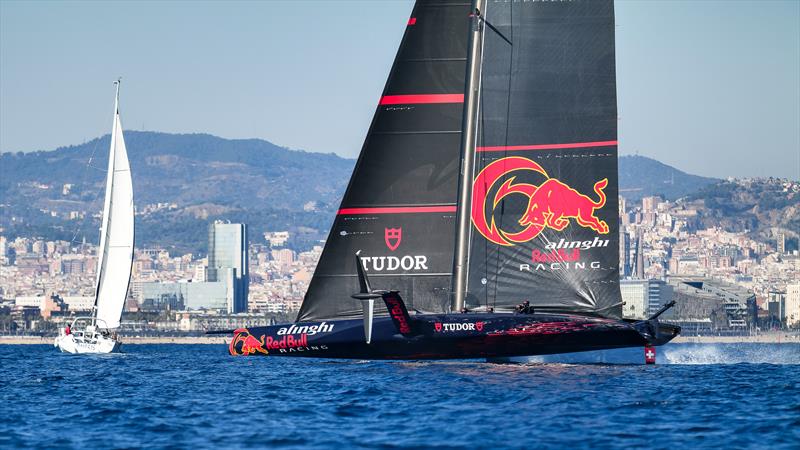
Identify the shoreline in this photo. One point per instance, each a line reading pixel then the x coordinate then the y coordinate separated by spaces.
pixel 771 338
pixel 126 340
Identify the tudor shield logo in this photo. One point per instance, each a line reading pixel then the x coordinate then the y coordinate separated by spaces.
pixel 392 237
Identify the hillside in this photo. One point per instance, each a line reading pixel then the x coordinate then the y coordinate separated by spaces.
pixel 194 177
pixel 184 181
pixel 640 176
pixel 763 207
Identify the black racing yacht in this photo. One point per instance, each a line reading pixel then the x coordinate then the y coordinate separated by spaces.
pixel 481 219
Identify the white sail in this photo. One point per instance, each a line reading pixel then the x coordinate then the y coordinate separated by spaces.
pixel 116 232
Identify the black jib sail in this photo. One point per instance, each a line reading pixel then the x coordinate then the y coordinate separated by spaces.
pixel 399 208
pixel 544 199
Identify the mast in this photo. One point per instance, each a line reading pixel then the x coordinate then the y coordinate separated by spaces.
pixel 468 137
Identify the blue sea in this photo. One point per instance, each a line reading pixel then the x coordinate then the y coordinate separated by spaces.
pixel 197 396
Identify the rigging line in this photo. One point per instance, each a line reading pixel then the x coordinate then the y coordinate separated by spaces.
pixel 86 168
pixel 508 119
pixel 482 138
pixel 482 18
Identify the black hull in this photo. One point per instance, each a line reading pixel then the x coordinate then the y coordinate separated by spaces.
pixel 450 336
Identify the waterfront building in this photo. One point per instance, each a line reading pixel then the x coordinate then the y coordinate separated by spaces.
pixel 776 310
pixel 78 303
pixel 175 296
pixel 634 298
pixel 643 298
pixel 727 305
pixel 30 301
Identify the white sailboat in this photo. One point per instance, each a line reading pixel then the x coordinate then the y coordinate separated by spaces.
pixel 96 334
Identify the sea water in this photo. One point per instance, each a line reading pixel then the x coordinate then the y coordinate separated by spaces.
pixel 197 396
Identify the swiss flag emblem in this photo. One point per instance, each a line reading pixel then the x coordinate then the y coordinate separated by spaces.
pixel 479 326
pixel 392 237
pixel 438 327
pixel 649 354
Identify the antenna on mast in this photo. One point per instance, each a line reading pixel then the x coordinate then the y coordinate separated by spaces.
pixel 117 82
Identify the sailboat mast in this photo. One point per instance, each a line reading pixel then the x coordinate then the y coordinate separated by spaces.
pixel 468 138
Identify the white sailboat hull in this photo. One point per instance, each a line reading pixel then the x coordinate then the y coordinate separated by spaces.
pixel 71 343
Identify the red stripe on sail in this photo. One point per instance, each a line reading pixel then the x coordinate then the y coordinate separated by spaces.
pixel 412 21
pixel 398 210
pixel 421 98
pixel 511 148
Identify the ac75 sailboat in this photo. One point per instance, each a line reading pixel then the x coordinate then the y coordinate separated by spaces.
pixel 481 219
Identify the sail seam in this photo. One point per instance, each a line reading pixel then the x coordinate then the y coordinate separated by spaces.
pixel 412 99
pixel 505 148
pixel 379 275
pixel 398 210
pixel 418 132
pixel 432 59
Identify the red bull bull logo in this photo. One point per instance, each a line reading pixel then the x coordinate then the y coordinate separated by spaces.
pixel 244 343
pixel 551 204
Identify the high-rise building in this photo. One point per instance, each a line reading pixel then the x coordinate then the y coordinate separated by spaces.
pixel 639 256
pixel 781 241
pixel 227 260
pixel 625 253
pixel 793 305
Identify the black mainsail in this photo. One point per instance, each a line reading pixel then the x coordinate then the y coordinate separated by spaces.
pixel 544 199
pixel 399 208
pixel 488 179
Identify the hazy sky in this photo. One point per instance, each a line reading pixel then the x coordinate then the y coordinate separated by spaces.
pixel 711 87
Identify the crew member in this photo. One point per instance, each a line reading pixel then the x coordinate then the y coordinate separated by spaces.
pixel 526 307
pixel 67 331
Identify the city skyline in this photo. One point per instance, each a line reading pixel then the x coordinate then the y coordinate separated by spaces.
pixel 666 254
pixel 701 97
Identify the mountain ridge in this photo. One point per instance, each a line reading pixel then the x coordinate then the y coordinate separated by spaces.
pixel 292 189
pixel 640 176
pixel 184 181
